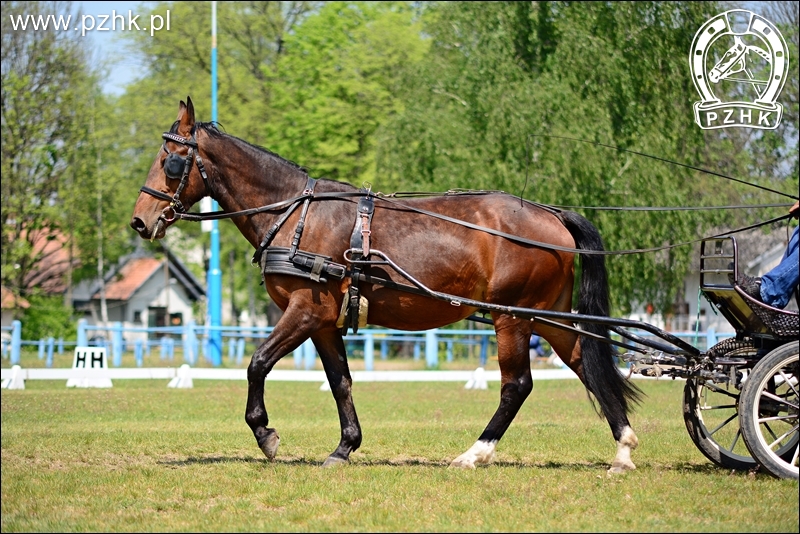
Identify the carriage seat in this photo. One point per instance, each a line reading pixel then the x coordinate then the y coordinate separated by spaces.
pixel 783 324
pixel 748 316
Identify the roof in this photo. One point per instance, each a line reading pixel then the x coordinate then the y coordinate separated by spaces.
pixel 130 278
pixel 134 271
pixel 51 247
pixel 10 301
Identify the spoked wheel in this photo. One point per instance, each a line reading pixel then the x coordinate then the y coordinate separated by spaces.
pixel 711 414
pixel 769 412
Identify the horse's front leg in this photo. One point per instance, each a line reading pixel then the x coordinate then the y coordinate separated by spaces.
pixel 330 345
pixel 289 333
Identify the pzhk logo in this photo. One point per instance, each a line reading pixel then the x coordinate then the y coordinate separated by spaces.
pixel 741 57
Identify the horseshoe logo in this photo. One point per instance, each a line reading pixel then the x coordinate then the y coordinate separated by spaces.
pixel 755 64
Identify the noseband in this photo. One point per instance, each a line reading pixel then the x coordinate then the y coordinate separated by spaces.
pixel 172 168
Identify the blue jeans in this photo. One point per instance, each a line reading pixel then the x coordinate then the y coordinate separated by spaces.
pixel 778 284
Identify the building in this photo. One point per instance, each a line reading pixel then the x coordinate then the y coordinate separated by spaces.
pixel 142 291
pixel 11 305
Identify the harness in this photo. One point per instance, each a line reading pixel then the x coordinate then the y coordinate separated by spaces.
pixel 316 267
pixel 319 268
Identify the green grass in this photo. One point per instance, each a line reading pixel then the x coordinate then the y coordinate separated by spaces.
pixel 141 457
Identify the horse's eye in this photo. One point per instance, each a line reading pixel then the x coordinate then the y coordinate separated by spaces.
pixel 173 166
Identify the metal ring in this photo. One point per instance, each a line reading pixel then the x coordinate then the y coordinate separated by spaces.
pixel 164 214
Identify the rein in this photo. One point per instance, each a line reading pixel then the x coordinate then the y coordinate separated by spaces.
pixel 179 212
pixel 294 202
pixel 795 197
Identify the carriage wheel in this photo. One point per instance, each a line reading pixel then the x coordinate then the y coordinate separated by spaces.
pixel 711 414
pixel 769 412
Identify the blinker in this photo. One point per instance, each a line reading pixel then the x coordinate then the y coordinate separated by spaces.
pixel 173 166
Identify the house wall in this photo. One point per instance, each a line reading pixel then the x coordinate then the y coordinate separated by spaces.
pixel 686 321
pixel 152 294
pixel 8 317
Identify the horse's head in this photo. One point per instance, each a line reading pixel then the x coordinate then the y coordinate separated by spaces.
pixel 732 62
pixel 177 179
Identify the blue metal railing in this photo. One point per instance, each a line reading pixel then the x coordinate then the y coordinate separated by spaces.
pixel 194 342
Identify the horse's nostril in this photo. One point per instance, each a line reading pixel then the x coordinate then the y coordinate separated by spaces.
pixel 137 224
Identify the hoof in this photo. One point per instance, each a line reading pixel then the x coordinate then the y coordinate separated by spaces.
pixel 269 445
pixel 462 463
pixel 333 461
pixel 620 468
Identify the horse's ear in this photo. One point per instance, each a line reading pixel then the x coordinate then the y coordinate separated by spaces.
pixel 186 118
pixel 181 110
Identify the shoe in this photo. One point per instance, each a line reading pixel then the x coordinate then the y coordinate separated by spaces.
pixel 751 285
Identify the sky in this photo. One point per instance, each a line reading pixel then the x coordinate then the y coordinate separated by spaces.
pixel 110 48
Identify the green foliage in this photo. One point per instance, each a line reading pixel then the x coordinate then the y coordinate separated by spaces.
pixel 500 77
pixel 48 317
pixel 338 84
pixel 405 95
pixel 48 90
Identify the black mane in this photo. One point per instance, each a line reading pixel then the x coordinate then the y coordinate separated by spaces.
pixel 211 129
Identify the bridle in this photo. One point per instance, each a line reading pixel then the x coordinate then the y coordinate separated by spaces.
pixel 173 166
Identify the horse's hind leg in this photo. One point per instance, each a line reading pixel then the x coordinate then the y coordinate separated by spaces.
pixel 292 329
pixel 566 345
pixel 331 348
pixel 516 385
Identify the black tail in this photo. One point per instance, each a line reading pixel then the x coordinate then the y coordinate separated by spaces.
pixel 603 379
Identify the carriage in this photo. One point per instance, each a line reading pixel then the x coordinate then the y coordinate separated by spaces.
pixel 334 257
pixel 740 401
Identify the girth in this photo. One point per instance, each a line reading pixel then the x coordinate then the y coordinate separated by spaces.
pixel 279 260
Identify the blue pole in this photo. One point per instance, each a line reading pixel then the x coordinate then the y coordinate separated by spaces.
pixel 116 343
pixel 16 341
pixel 137 348
pixel 310 353
pixel 239 350
pixel 50 348
pixel 369 351
pixel 298 357
pixel 82 337
pixel 214 272
pixel 189 342
pixel 431 349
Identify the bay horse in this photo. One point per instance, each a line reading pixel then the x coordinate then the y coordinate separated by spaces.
pixel 458 244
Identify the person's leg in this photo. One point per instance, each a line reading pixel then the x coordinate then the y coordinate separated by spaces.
pixel 778 284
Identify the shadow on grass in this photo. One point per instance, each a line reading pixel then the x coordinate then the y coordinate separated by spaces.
pixel 210 460
pixel 702 468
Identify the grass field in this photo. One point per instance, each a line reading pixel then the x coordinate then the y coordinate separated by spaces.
pixel 141 457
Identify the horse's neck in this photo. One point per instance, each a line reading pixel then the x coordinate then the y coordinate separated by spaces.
pixel 244 177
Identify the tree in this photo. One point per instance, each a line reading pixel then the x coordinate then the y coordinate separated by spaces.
pixel 250 46
pixel 338 83
pixel 48 89
pixel 320 77
pixel 500 77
